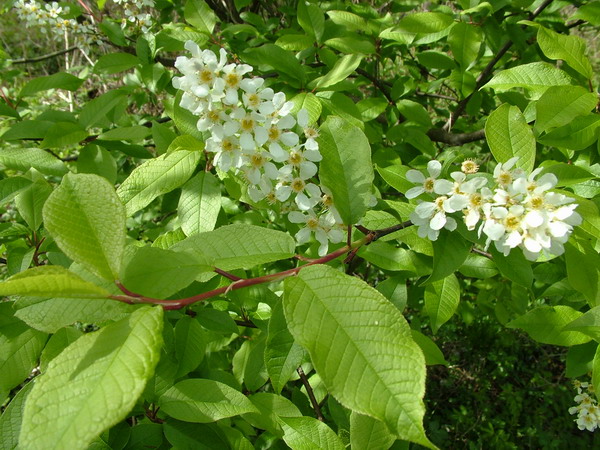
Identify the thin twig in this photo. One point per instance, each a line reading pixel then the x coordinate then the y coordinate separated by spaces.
pixel 245 323
pixel 482 253
pixel 227 275
pixel 377 83
pixel 45 57
pixel 454 139
pixel 311 394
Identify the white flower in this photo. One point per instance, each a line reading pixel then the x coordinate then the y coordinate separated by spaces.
pixel 301 162
pixel 324 228
pixel 430 217
pixel 257 165
pixel 504 175
pixel 429 184
pixel 227 152
pixel 232 77
pixel 311 133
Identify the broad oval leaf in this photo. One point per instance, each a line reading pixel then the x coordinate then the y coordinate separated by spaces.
pixel 306 433
pixel 346 167
pixel 199 204
pixel 449 252
pixel 199 14
pixel 570 49
pixel 10 422
pixel 560 104
pixel 156 177
pixel 24 159
pixel 465 40
pixel 204 401
pixel 509 135
pixel 47 281
pixel 536 76
pixel 239 246
pixel 367 433
pixel 87 220
pixel 545 324
pixel 578 134
pixel 59 80
pixel 340 319
pixel 441 300
pixel 340 71
pixel 93 384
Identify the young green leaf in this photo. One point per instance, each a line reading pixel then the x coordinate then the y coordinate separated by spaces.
pixel 59 80
pixel 433 354
pixel 87 220
pixel 198 14
pixel 578 134
pixel 465 40
pixel 160 273
pixel 570 49
pixel 560 104
pixel 509 135
pixel 545 324
pixel 306 433
pixel 340 71
pixel 339 319
pixel 449 253
pixel 200 203
pixel 190 345
pixel 367 433
pixel 10 421
pixel 30 200
pixel 282 354
pixel 24 159
pixel 311 19
pixel 204 401
pixel 47 281
pixel 346 168
pixel 239 246
pixel 513 266
pixel 11 187
pixel 536 76
pixel 441 300
pixel 156 177
pixel 115 63
pixel 93 383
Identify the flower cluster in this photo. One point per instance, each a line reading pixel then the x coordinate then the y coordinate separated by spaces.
pixel 587 410
pixel 252 133
pixel 519 210
pixel 135 15
pixel 51 19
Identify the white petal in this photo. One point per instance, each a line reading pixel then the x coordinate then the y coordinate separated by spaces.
pixel 246 142
pixel 313 190
pixel 261 135
pixel 283 193
pixel 303 202
pixel 442 187
pixel 312 155
pixel 286 122
pixel 297 217
pixel 307 170
pixel 414 192
pixel 425 209
pixel 303 118
pixel 414 176
pixel 303 235
pixel 278 153
pixel 434 168
pixel 532 245
pixel 290 139
pixel 438 221
pixel 534 219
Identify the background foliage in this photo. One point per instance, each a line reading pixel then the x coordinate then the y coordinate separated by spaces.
pixel 109 198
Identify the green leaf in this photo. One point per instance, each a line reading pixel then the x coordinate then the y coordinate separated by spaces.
pixel 348 20
pixel 536 76
pixel 30 200
pixel 425 22
pixel 27 129
pixel 239 246
pixel 441 300
pixel 568 174
pixel 58 80
pixel 190 345
pixel 351 44
pixel 310 103
pixel 159 273
pixel 63 134
pixel 509 135
pixel 339 319
pixel 294 42
pixel 93 384
pixel 10 188
pixel 50 315
pixel 367 433
pixel 583 263
pixel 371 108
pixel 163 136
pixel 271 408
pixel 282 354
pixel 217 321
pixel 204 401
pixel 57 343
pixel 306 433
pixel 10 422
pixel 570 49
pixel 346 167
pixel 87 220
pixel 198 14
pixel 97 110
pixel 514 266
pixel 449 253
pixel 465 40
pixel 589 12
pixel 432 59
pixel 588 323
pixel 433 354
pixel 476 266
pixel 311 19
pixel 545 325
pixel 340 71
pixel 395 176
pixel 560 104
pixel 20 348
pixel 578 134
pixel 414 112
pixel 596 371
pixel 115 63
pixel 156 177
pixel 24 159
pixel 277 58
pixel 135 133
pixel 98 160
pixel 389 257
pixel 48 281
pixel 199 203
pixel 579 359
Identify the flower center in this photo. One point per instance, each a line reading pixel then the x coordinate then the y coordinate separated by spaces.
pixel 327 200
pixel 511 223
pixel 312 223
pixel 439 202
pixel 469 166
pixel 213 116
pixel 311 133
pixel 206 76
pixel 257 160
pixel 505 178
pixel 295 158
pixel 537 202
pixel 232 80
pixel 228 145
pixel 253 101
pixel 476 200
pixel 274 133
pixel 247 124
pixel 428 185
pixel 298 185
